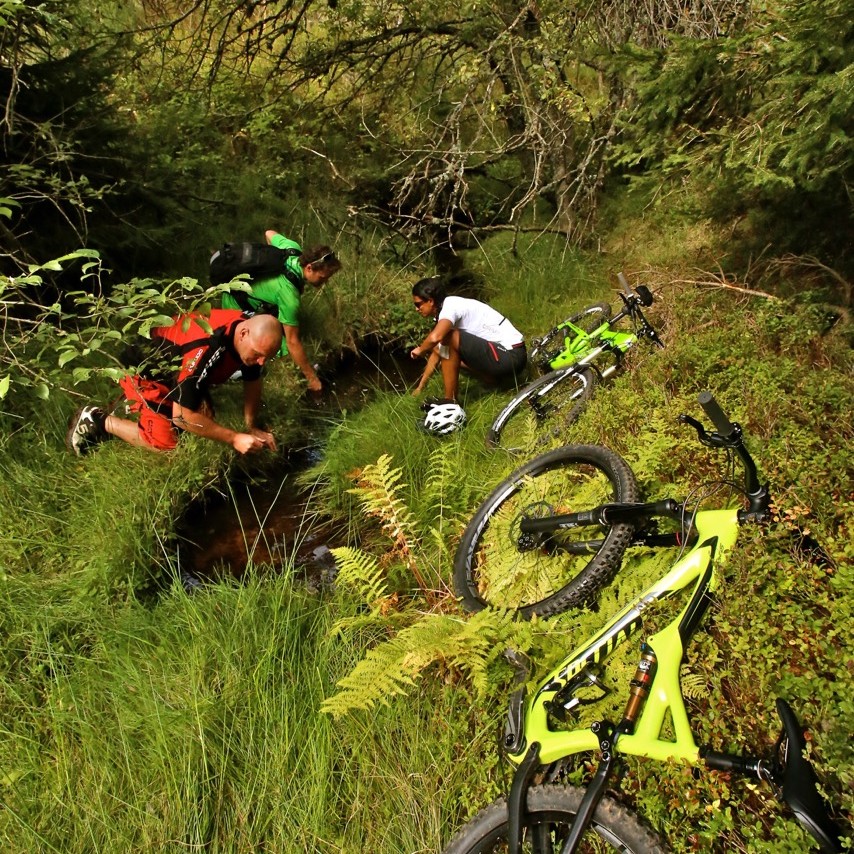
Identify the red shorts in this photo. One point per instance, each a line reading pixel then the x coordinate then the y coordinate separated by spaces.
pixel 144 397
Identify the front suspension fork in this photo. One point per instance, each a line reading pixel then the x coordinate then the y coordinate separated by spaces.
pixel 517 800
pixel 607 735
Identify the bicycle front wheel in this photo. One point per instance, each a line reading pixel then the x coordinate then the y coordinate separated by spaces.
pixel 498 564
pixel 542 410
pixel 550 814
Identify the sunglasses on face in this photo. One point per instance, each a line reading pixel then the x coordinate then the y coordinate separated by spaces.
pixel 329 256
pixel 419 303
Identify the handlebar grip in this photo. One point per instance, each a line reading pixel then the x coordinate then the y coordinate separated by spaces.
pixel 717 416
pixel 624 283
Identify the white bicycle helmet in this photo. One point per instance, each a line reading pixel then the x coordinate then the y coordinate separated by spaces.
pixel 444 418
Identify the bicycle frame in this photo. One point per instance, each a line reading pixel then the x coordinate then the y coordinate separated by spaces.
pixel 584 348
pixel 717 532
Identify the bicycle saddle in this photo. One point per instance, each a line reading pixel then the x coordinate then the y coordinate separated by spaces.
pixel 800 783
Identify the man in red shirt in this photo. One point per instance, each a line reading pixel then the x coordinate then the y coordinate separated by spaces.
pixel 172 387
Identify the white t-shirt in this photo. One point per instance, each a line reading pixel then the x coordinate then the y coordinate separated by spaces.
pixel 477 318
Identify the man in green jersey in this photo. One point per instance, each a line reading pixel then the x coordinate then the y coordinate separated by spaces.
pixel 280 295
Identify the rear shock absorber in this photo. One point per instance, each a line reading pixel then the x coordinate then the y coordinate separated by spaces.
pixel 639 690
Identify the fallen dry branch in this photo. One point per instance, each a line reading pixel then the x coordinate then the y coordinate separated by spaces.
pixel 722 281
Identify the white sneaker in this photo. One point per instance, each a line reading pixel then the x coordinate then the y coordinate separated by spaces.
pixel 85 430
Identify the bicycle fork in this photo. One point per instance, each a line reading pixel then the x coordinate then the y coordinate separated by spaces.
pixel 607 734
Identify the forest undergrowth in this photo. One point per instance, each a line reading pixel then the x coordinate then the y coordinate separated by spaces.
pixel 258 716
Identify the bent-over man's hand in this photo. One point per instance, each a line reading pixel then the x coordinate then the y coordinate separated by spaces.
pixel 267 438
pixel 245 443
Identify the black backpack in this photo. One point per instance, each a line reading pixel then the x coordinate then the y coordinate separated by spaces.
pixel 258 260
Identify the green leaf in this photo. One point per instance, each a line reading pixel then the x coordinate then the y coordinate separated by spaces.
pixel 6 206
pixel 4 386
pixel 42 391
pixel 67 356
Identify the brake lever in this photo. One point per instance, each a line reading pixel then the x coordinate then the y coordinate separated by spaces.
pixel 692 422
pixel 712 440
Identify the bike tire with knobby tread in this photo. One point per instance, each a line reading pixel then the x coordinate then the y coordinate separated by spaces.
pixel 542 402
pixel 551 810
pixel 494 566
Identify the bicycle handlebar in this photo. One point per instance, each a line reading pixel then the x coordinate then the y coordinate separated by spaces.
pixel 729 435
pixel 716 415
pixel 633 299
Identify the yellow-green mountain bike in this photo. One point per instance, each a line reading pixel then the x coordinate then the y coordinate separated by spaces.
pixel 577 355
pixel 543 736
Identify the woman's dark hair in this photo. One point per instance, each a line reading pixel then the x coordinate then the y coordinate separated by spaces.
pixel 321 258
pixel 432 288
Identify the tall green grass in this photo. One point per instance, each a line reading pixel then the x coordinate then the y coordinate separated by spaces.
pixel 193 722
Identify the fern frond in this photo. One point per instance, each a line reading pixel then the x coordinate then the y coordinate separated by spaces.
pixel 361 572
pixel 695 686
pixel 447 491
pixel 376 678
pixel 435 548
pixel 481 640
pixel 378 489
pixel 443 471
pixel 469 646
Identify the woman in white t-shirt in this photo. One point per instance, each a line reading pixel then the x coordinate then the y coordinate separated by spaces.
pixel 468 334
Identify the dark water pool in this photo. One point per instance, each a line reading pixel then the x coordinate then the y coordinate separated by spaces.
pixel 267 522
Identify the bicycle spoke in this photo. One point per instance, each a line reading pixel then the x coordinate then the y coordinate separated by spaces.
pixel 512 568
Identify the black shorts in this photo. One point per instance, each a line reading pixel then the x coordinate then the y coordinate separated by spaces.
pixel 485 357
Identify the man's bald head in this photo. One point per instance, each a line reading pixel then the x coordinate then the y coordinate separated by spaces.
pixel 258 338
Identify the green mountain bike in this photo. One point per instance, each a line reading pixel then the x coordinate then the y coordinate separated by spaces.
pixel 577 354
pixel 543 734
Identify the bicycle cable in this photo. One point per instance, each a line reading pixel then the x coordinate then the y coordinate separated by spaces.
pixel 699 494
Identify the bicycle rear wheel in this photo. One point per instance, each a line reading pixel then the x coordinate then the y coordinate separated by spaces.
pixel 497 564
pixel 546 349
pixel 551 810
pixel 542 410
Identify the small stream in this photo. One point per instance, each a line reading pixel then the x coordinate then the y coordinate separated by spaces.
pixel 266 521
